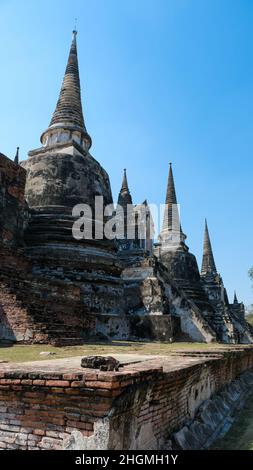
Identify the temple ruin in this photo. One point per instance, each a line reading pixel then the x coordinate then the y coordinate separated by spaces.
pixel 60 290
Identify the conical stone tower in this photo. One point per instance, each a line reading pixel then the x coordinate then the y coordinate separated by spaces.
pixel 211 279
pixel 172 234
pixel 62 173
pixel 212 283
pixel 124 197
pixel 173 252
pixel 208 264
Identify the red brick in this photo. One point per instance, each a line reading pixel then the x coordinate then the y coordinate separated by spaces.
pixel 10 381
pixel 38 382
pixel 26 382
pixel 78 383
pixel 72 376
pixel 106 385
pixel 57 383
pixel 90 376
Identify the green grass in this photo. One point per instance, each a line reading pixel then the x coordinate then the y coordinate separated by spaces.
pixel 240 435
pixel 23 353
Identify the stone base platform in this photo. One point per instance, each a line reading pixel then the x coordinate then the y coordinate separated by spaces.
pixel 56 404
pixel 163 328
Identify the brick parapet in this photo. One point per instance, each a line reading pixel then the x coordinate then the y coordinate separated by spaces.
pixel 39 409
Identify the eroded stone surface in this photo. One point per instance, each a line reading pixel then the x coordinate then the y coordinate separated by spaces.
pixel 100 362
pixel 56 404
pixel 215 416
pixel 63 290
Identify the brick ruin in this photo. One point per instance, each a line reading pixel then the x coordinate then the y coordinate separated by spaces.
pixel 59 405
pixel 54 288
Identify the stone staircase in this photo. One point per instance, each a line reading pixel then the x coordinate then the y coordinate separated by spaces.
pixel 25 319
pixel 196 294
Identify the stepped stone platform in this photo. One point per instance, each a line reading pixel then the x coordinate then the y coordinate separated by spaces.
pixel 57 404
pixel 66 280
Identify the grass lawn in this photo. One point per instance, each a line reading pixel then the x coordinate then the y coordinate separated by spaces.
pixel 22 353
pixel 240 435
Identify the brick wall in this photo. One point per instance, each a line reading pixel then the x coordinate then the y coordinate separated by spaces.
pixel 146 418
pixel 136 408
pixel 12 203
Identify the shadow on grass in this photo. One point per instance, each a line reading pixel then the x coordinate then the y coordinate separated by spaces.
pixel 240 435
pixel 116 343
pixel 5 344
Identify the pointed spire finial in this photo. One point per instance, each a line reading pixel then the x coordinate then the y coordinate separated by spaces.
pixel 75 27
pixel 16 159
pixel 208 264
pixel 67 122
pixel 170 201
pixel 171 228
pixel 124 186
pixel 235 298
pixel 171 197
pixel 124 194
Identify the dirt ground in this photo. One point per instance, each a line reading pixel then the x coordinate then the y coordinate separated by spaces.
pixel 23 353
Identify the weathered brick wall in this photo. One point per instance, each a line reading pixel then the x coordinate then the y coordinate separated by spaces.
pixel 146 418
pixel 12 203
pixel 136 408
pixel 37 296
pixel 34 309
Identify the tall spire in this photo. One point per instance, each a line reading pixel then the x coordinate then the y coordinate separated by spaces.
pixel 124 186
pixel 124 194
pixel 171 218
pixel 235 298
pixel 208 264
pixel 16 159
pixel 69 106
pixel 170 201
pixel 126 203
pixel 172 236
pixel 67 122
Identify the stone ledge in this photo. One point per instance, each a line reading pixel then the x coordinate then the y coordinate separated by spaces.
pixel 132 366
pixel 55 404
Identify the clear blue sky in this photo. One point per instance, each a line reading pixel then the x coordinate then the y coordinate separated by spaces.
pixel 162 80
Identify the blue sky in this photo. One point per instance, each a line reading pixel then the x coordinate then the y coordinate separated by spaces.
pixel 162 80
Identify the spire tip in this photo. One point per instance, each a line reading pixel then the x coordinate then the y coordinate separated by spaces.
pixel 75 29
pixel 16 159
pixel 208 263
